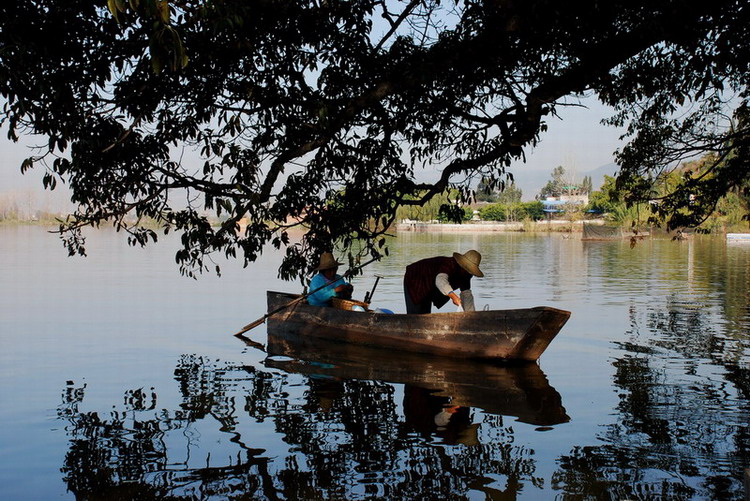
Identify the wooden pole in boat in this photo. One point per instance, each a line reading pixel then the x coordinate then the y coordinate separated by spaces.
pixel 368 296
pixel 299 299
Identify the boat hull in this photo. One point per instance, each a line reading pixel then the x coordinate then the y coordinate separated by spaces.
pixel 510 335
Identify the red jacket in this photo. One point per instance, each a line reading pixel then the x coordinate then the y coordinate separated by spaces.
pixel 419 280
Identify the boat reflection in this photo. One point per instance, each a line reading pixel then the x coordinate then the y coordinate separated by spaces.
pixel 448 386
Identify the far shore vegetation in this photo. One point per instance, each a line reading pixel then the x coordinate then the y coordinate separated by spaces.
pixel 504 205
pixel 576 202
pixel 38 218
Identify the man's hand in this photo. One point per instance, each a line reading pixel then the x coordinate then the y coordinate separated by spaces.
pixel 454 297
pixel 344 291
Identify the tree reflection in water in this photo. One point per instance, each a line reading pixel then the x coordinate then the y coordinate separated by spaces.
pixel 332 436
pixel 343 424
pixel 684 413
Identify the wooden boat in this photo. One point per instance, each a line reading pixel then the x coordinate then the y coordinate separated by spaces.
pixel 503 335
pixel 521 391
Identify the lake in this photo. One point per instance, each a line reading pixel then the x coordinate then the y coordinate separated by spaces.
pixel 121 379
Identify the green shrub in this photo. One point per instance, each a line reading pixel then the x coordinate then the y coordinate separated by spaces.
pixel 494 212
pixel 532 210
pixel 451 214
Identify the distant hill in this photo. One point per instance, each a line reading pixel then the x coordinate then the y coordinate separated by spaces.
pixel 531 181
pixel 597 175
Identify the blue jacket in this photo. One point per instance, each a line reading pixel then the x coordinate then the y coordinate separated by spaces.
pixel 323 296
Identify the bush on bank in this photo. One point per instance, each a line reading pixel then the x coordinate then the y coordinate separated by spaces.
pixel 512 212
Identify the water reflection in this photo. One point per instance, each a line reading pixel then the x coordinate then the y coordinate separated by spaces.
pixel 520 391
pixel 683 410
pixel 350 424
pixel 654 370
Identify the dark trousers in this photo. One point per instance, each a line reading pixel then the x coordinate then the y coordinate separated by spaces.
pixel 412 307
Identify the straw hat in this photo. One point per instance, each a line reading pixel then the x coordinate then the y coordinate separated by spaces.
pixel 470 262
pixel 327 261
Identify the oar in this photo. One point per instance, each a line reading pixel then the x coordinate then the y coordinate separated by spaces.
pixel 264 317
pixel 298 300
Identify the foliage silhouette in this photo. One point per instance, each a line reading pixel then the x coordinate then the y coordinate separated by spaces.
pixel 323 114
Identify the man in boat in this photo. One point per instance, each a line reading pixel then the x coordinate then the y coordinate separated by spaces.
pixel 327 284
pixel 434 280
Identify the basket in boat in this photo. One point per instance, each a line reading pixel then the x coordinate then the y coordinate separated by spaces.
pixel 346 304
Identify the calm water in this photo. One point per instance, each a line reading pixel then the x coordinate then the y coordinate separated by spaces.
pixel 121 379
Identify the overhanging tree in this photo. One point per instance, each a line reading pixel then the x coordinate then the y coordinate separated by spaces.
pixel 323 113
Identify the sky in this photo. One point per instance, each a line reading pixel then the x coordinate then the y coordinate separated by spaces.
pixel 577 141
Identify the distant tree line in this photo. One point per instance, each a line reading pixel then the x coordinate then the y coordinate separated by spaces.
pixel 563 183
pixel 728 213
pixel 519 211
pixel 23 207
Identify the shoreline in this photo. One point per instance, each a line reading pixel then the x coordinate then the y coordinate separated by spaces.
pixel 551 226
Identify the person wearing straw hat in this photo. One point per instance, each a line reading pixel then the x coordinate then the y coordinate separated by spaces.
pixel 432 281
pixel 327 284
